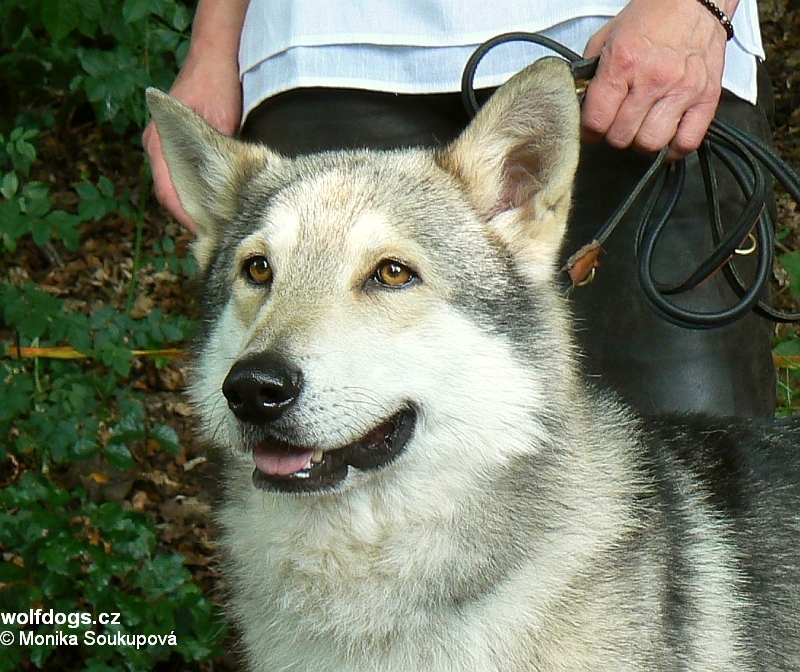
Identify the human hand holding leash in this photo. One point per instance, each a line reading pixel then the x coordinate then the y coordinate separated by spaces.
pixel 659 79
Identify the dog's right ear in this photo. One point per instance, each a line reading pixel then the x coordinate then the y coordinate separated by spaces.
pixel 209 169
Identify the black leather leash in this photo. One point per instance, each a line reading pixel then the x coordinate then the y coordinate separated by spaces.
pixel 744 156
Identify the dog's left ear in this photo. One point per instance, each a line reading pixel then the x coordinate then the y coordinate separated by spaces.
pixel 518 158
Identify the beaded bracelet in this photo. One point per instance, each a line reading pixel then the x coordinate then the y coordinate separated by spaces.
pixel 722 17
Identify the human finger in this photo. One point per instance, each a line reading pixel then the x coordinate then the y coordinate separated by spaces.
pixel 692 129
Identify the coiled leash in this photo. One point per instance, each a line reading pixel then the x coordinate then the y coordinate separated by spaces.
pixel 753 231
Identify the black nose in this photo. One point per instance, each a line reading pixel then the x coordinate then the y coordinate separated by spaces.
pixel 260 388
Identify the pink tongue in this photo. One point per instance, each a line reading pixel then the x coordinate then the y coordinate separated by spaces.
pixel 280 463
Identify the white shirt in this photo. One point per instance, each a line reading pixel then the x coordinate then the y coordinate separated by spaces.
pixel 421 46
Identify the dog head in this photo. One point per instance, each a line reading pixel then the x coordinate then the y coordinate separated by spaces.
pixel 363 308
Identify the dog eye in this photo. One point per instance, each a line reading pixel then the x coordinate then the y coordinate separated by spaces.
pixel 258 270
pixel 391 273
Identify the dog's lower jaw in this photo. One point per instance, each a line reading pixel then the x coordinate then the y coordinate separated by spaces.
pixel 374 450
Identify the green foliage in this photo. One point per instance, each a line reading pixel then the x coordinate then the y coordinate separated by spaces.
pixel 791 264
pixel 78 557
pixel 26 208
pixel 102 52
pixel 60 549
pixel 60 413
pixel 165 257
pixel 787 347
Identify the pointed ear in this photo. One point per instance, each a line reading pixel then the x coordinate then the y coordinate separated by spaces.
pixel 517 160
pixel 208 169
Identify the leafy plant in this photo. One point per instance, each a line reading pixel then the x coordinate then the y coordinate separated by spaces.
pixel 62 550
pixel 69 52
pixel 26 208
pixel 74 556
pixel 787 345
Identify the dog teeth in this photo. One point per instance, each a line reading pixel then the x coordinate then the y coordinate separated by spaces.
pixel 317 457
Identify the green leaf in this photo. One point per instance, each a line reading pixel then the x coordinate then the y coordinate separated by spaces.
pixel 36 199
pixel 135 608
pixel 131 425
pixel 58 561
pixel 40 653
pixel 27 492
pixel 161 575
pixel 105 186
pixel 20 150
pixel 60 17
pixel 84 449
pixel 181 18
pixel 133 10
pixel 96 201
pixel 13 224
pixel 120 359
pixel 791 264
pixel 28 309
pixel 62 440
pixel 167 437
pixel 90 14
pixel 65 225
pixel 119 455
pixel 788 348
pixel 41 231
pixel 9 185
pixel 16 391
pixel 87 191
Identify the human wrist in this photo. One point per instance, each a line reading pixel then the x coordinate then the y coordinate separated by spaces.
pixel 722 17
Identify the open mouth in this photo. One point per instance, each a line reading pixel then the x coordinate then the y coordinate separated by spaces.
pixel 284 467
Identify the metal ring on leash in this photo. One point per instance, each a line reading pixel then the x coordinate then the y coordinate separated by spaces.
pixel 752 245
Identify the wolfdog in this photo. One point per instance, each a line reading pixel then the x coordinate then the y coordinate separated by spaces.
pixel 417 476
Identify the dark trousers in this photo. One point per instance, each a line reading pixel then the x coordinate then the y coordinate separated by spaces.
pixel 655 365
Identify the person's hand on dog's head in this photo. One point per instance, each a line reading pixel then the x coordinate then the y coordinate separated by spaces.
pixel 162 183
pixel 208 83
pixel 658 82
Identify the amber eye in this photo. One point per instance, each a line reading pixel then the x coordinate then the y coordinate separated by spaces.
pixel 258 270
pixel 392 273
